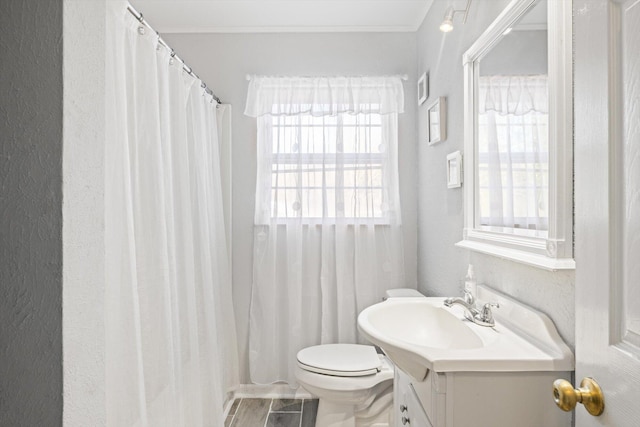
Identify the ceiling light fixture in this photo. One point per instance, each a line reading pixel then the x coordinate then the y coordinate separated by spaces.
pixel 447 24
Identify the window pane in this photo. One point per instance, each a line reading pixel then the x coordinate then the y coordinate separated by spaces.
pixel 327 166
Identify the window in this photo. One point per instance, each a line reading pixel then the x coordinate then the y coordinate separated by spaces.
pixel 327 149
pixel 328 167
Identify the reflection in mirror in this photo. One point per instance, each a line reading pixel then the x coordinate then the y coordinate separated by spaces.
pixel 518 136
pixel 513 129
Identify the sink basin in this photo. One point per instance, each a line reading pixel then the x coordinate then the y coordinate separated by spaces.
pixel 421 334
pixel 420 322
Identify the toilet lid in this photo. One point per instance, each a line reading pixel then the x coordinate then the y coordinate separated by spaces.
pixel 342 360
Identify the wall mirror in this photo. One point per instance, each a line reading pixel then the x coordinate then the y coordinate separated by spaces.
pixel 518 136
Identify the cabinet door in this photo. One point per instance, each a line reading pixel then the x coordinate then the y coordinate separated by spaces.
pixel 408 410
pixel 400 384
pixel 415 412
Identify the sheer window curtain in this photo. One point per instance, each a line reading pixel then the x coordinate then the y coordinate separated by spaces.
pixel 170 333
pixel 327 234
pixel 513 151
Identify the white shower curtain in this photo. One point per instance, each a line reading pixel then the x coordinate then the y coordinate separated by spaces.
pixel 170 333
pixel 327 234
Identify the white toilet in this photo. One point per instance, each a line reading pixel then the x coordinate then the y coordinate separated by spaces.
pixel 353 382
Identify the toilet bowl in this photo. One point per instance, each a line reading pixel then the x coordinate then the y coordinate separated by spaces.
pixel 353 383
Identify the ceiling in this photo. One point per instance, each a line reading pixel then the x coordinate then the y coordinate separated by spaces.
pixel 251 16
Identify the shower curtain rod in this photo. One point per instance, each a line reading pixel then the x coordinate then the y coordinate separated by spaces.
pixel 185 67
pixel 404 77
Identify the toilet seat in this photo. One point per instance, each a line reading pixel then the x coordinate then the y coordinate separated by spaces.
pixel 340 360
pixel 354 384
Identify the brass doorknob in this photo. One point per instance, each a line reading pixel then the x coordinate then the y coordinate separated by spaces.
pixel 589 394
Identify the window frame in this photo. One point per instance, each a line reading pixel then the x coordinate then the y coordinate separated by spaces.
pixel 369 160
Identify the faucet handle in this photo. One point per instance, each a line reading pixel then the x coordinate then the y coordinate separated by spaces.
pixel 487 314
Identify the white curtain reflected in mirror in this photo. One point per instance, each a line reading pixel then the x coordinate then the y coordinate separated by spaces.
pixel 513 153
pixel 513 129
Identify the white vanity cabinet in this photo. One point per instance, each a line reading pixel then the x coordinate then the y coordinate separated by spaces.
pixel 466 399
pixel 451 372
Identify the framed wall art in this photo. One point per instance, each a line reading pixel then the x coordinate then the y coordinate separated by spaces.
pixel 454 170
pixel 423 88
pixel 437 118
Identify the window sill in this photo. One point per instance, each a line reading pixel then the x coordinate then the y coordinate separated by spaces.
pixel 518 255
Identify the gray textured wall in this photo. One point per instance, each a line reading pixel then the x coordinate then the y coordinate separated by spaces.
pixel 441 266
pixel 223 61
pixel 31 213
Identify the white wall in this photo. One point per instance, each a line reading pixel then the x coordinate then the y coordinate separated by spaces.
pixel 83 213
pixel 519 53
pixel 441 266
pixel 223 60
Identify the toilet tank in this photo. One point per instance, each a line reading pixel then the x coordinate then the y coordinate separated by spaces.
pixel 401 293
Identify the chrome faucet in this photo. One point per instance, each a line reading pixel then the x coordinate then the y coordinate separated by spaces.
pixel 482 317
pixel 468 302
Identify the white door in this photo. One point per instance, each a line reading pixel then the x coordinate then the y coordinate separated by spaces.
pixel 607 183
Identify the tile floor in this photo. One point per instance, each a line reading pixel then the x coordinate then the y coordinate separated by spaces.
pixel 272 413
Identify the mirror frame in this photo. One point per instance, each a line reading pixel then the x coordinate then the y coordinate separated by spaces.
pixel 555 252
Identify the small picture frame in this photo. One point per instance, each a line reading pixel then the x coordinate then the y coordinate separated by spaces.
pixel 437 121
pixel 454 170
pixel 423 88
